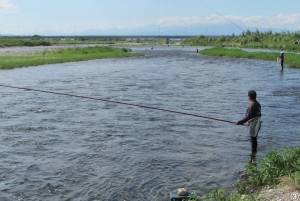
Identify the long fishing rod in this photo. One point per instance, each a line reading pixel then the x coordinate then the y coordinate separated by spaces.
pixel 239 27
pixel 117 102
pixel 230 21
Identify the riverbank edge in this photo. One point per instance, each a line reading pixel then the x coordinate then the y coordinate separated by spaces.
pixel 291 59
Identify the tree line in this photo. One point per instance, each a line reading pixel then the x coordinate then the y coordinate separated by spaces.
pixel 288 41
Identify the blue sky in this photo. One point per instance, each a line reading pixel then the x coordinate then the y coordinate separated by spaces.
pixel 192 17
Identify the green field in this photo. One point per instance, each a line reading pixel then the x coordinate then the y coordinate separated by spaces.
pixel 291 59
pixel 274 43
pixel 63 55
pixel 39 41
pixel 10 42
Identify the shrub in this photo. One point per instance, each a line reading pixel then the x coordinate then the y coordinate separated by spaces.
pixel 270 169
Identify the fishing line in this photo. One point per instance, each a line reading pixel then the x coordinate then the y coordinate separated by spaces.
pixel 236 25
pixel 118 102
pixel 223 17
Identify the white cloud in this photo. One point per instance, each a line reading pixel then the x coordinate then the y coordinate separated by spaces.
pixel 183 21
pixel 289 22
pixel 280 21
pixel 6 5
pixel 283 21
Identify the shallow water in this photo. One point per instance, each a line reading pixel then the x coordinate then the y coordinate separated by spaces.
pixel 64 148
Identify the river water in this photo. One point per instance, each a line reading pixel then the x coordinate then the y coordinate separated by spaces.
pixel 64 148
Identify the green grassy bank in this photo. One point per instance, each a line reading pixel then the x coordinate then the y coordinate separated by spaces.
pixel 291 59
pixel 11 42
pixel 38 41
pixel 277 166
pixel 285 41
pixel 63 55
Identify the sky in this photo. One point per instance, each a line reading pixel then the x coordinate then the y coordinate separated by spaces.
pixel 146 17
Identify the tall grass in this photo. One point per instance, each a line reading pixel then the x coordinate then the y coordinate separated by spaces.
pixel 287 41
pixel 63 55
pixel 277 166
pixel 271 168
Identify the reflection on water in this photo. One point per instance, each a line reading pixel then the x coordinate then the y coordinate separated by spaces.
pixel 61 148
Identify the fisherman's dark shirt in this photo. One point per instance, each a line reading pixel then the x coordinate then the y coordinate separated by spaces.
pixel 254 110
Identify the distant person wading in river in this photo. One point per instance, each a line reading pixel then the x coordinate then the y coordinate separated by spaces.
pixel 281 59
pixel 252 118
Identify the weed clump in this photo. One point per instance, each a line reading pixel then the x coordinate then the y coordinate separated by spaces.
pixel 277 166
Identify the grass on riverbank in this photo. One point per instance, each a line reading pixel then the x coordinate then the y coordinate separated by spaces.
pixel 286 41
pixel 275 167
pixel 271 169
pixel 291 60
pixel 63 55
pixel 12 42
pixel 39 41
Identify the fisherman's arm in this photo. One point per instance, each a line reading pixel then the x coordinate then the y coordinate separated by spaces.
pixel 250 114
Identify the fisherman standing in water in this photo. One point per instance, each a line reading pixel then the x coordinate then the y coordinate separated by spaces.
pixel 252 118
pixel 281 60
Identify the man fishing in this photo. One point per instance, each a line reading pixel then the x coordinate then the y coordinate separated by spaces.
pixel 252 118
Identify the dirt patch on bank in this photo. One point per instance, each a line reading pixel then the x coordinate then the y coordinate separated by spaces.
pixel 280 193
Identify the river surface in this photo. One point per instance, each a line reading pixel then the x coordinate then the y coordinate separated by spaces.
pixel 57 147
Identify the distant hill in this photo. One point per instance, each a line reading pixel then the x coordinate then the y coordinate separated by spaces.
pixel 212 30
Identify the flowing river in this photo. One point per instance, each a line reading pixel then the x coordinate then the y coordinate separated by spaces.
pixel 56 147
